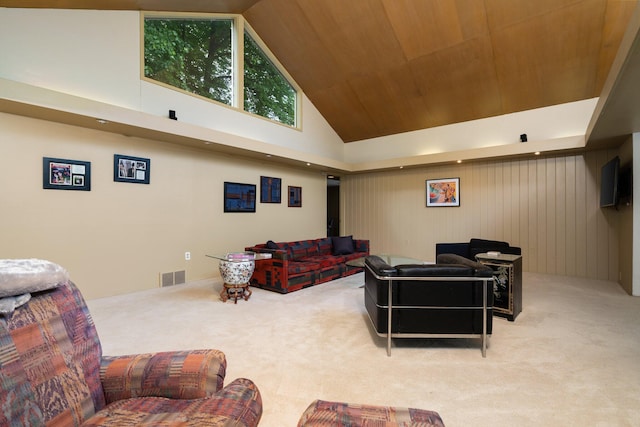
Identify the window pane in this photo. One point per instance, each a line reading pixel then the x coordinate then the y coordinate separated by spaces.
pixel 190 54
pixel 266 91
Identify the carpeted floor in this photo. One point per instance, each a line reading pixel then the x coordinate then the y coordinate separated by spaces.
pixel 571 358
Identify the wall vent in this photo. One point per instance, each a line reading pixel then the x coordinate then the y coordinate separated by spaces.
pixel 173 278
pixel 166 279
pixel 179 277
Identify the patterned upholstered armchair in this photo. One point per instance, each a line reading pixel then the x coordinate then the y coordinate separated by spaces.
pixel 52 371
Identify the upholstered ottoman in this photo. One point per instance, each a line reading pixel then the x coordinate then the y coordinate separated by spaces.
pixel 334 414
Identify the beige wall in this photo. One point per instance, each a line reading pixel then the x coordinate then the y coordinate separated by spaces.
pixel 119 237
pixel 548 206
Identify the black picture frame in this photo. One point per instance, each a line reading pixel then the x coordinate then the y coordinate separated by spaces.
pixel 65 174
pixel 270 189
pixel 136 170
pixel 295 197
pixel 239 197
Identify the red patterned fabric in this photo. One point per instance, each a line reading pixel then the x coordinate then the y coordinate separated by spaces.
pixel 336 414
pixel 297 265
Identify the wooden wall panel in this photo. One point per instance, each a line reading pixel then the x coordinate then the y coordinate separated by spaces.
pixel 547 205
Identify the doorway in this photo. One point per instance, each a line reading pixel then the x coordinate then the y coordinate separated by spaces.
pixel 333 205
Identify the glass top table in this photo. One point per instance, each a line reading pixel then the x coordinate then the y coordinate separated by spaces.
pixel 241 256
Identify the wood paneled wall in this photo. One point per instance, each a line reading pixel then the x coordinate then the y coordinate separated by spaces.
pixel 546 205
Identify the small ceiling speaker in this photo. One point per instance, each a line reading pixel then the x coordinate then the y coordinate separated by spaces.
pixel 523 137
pixel 172 115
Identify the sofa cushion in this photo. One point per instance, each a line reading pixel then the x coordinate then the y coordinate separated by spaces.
pixel 299 267
pixel 342 245
pixel 325 246
pixel 301 249
pixel 323 261
pixel 238 404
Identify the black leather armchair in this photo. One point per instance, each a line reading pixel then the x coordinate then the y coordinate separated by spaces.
pixel 470 249
pixel 450 299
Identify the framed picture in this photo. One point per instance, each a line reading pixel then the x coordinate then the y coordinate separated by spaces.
pixel 239 197
pixel 270 189
pixel 295 197
pixel 131 169
pixel 64 174
pixel 443 192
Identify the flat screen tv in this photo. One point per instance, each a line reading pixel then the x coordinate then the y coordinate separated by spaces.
pixel 609 183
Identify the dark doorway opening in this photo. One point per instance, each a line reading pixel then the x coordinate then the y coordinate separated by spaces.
pixel 333 205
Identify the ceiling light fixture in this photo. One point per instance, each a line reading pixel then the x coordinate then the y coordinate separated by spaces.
pixel 102 121
pixel 459 161
pixel 537 153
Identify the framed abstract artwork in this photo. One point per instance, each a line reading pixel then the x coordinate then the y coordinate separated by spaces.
pixel 64 174
pixel 270 189
pixel 239 197
pixel 131 169
pixel 443 192
pixel 295 197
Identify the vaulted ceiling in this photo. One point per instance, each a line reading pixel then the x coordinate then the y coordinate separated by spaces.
pixel 381 67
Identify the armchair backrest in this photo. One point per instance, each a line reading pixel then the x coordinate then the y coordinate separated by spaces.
pixel 50 361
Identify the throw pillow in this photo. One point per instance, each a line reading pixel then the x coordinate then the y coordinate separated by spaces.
pixel 343 245
pixel 271 245
pixel 21 276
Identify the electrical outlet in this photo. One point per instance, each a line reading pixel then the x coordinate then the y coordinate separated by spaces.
pixel 187 256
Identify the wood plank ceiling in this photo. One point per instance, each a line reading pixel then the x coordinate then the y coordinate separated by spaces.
pixel 382 67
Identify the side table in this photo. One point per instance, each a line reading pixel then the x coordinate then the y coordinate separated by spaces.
pixel 507 288
pixel 236 270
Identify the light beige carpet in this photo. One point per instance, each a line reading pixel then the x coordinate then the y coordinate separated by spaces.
pixel 572 357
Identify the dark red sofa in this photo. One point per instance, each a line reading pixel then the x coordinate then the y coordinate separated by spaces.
pixel 300 264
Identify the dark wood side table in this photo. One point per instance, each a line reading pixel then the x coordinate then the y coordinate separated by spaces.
pixel 507 288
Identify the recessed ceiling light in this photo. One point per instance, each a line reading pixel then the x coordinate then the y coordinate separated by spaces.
pixel 537 153
pixel 401 167
pixel 459 161
pixel 308 164
pixel 102 121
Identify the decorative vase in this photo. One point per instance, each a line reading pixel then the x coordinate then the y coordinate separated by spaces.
pixel 236 272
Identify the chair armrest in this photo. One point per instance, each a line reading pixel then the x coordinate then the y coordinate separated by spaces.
pixel 178 374
pixel 239 403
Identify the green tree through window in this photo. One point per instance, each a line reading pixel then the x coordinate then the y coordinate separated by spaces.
pixel 190 54
pixel 196 55
pixel 266 91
